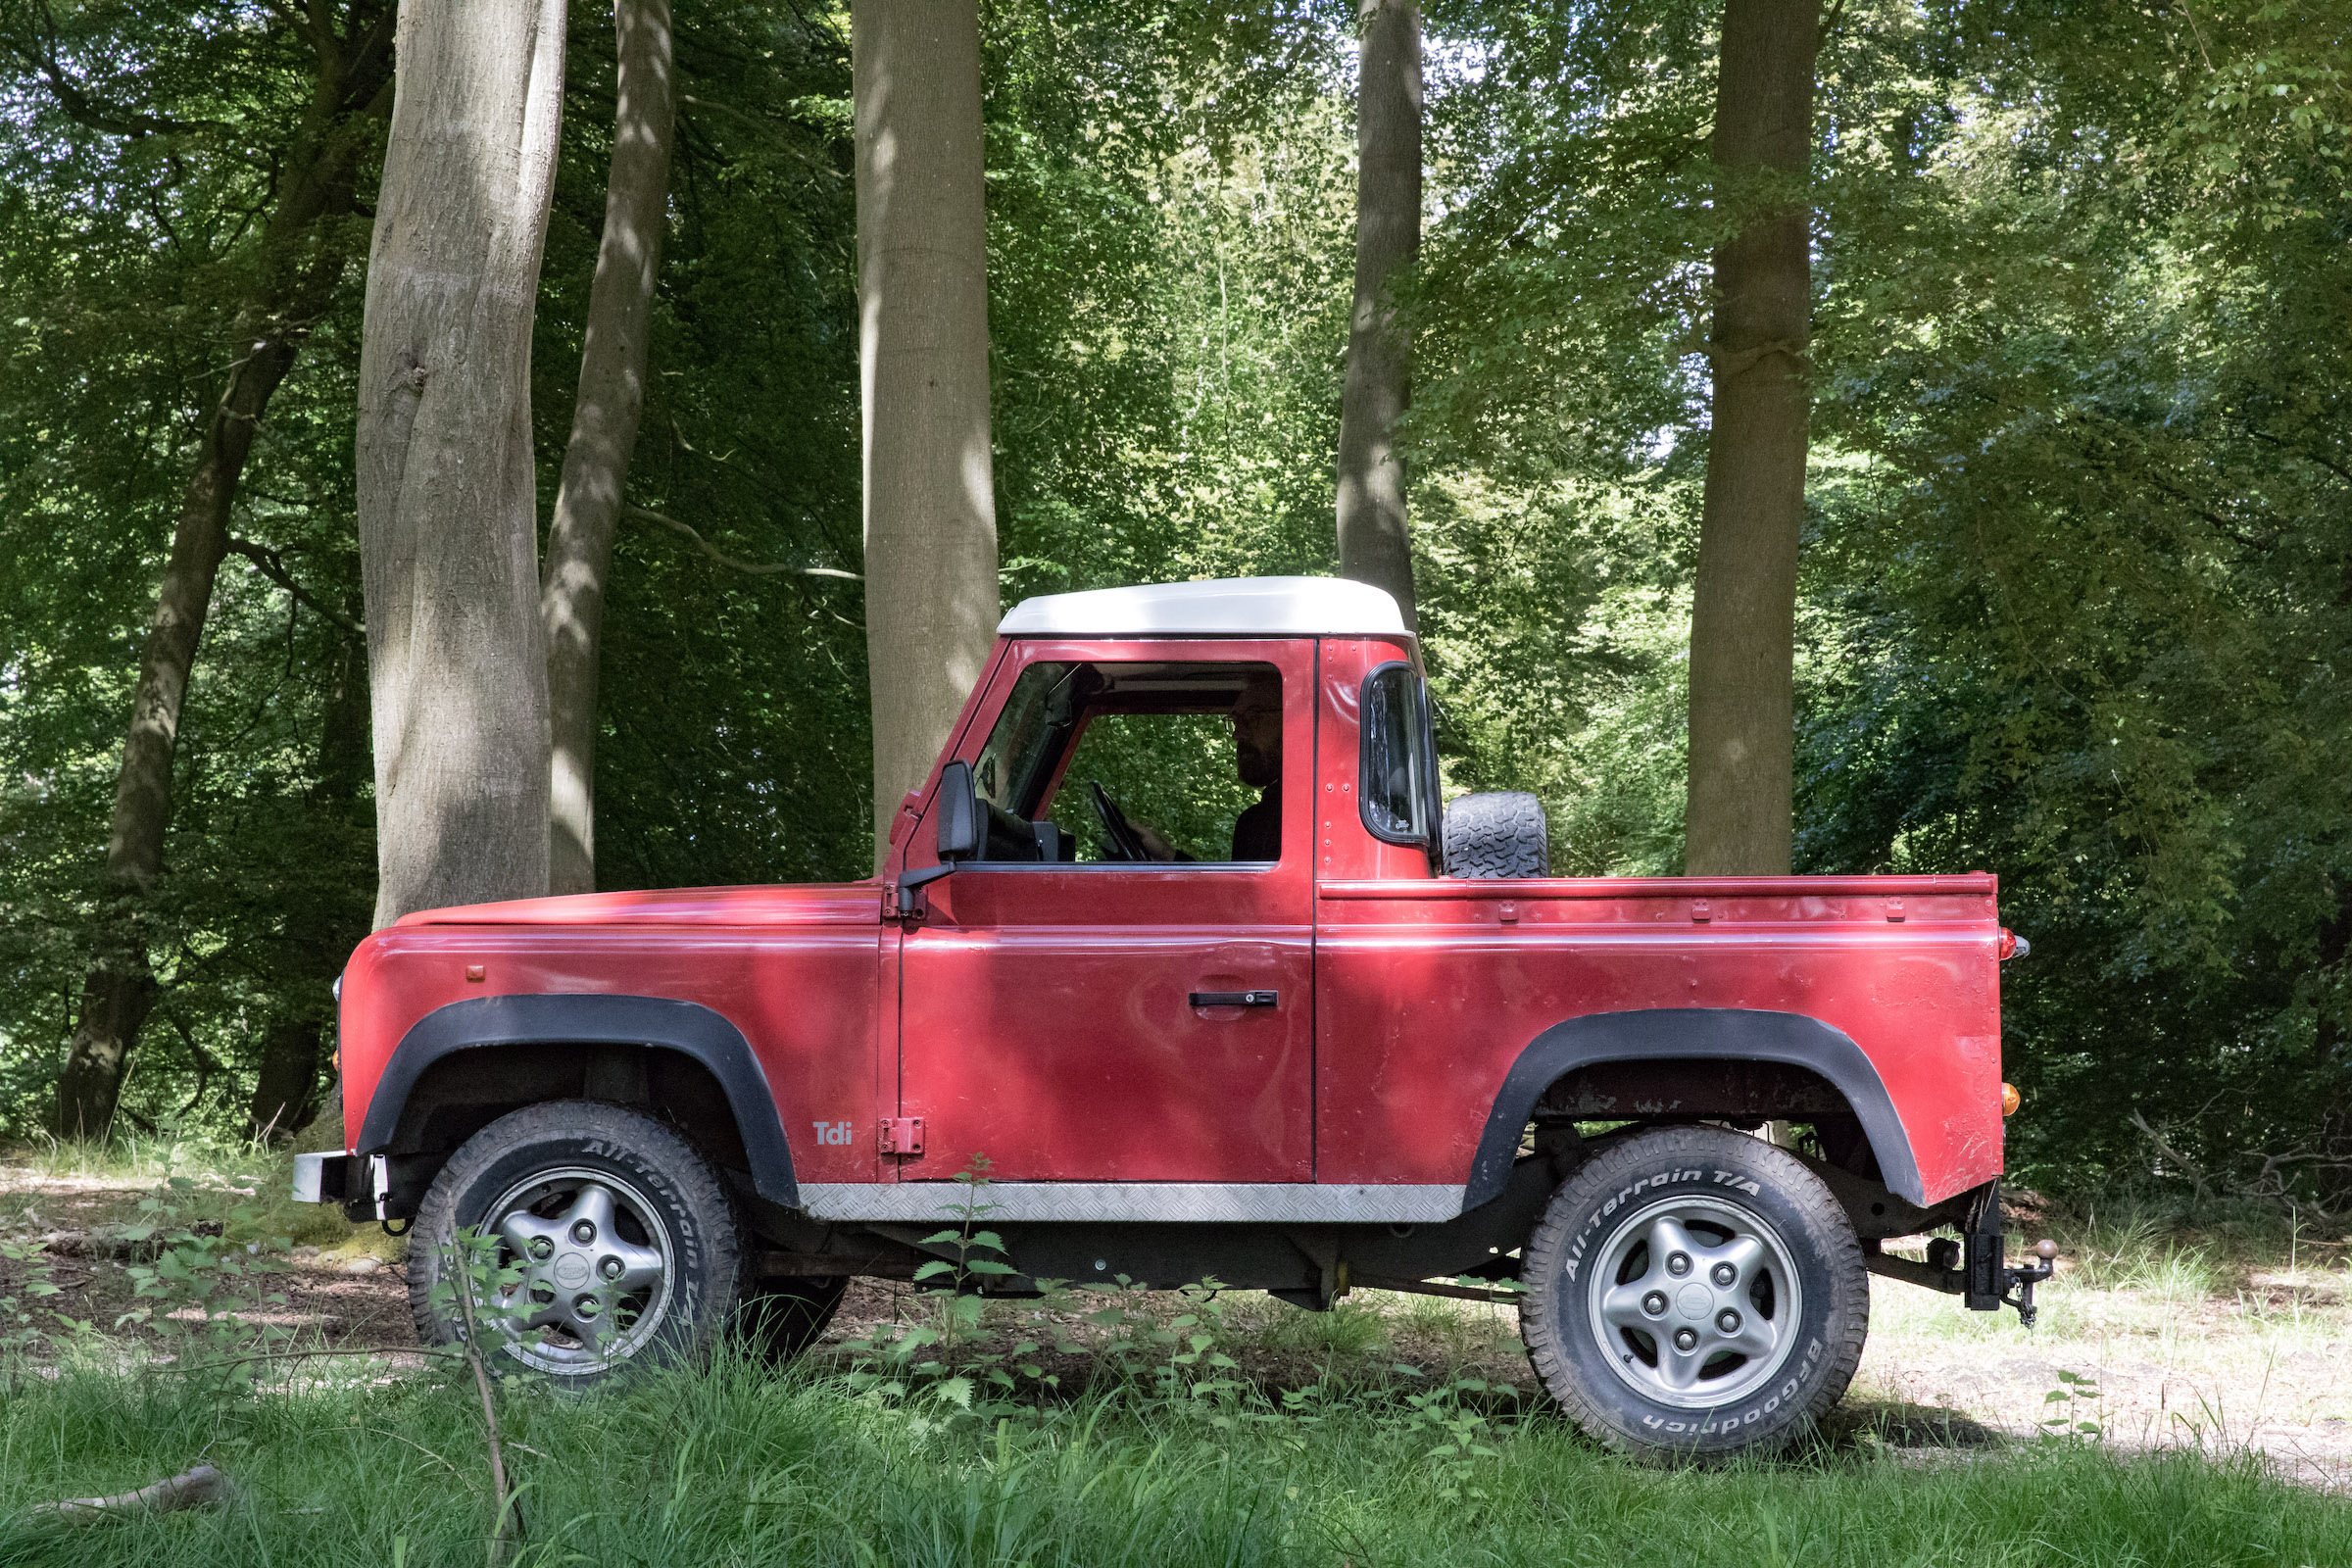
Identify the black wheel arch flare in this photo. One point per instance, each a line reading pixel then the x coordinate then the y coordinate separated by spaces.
pixel 1658 1034
pixel 594 1019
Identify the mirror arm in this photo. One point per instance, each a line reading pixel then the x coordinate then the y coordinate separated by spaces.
pixel 908 902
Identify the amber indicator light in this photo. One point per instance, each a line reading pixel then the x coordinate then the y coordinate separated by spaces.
pixel 2010 1099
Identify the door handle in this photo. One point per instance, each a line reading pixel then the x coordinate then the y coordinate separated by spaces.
pixel 1235 998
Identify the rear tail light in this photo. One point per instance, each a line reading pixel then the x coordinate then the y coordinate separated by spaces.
pixel 2014 946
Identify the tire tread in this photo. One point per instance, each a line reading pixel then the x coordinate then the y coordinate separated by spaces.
pixel 1845 1336
pixel 1497 836
pixel 730 1262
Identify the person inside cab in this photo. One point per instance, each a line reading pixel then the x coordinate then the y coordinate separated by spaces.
pixel 1256 720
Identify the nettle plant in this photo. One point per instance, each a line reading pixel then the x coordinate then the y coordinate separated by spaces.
pixel 202 1292
pixel 2066 1423
pixel 944 1364
pixel 32 1272
pixel 1459 1452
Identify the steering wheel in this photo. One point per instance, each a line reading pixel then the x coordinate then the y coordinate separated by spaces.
pixel 1122 834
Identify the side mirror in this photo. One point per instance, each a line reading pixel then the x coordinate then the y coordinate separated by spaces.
pixel 962 835
pixel 962 829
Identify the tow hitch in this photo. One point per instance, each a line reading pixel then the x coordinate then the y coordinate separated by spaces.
pixel 2023 1280
pixel 1976 1268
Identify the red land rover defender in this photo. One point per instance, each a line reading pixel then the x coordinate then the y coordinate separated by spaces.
pixel 1344 1035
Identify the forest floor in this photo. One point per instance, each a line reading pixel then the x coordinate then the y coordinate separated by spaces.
pixel 2225 1346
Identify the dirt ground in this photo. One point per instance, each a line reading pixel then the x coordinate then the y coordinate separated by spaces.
pixel 2150 1347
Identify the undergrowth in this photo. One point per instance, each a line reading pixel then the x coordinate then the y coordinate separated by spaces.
pixel 739 1464
pixel 946 1438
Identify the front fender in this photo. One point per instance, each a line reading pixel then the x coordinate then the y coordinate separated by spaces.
pixel 593 1019
pixel 1739 1034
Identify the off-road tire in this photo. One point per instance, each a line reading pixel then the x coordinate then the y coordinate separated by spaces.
pixel 706 1278
pixel 785 1316
pixel 1690 1170
pixel 1496 836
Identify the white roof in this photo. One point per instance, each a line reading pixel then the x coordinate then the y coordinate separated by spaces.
pixel 1229 606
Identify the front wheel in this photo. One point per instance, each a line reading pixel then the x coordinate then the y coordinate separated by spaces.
pixel 1694 1293
pixel 614 1240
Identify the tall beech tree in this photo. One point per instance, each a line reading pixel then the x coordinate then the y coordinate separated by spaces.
pixel 931 600
pixel 302 249
pixel 1374 544
pixel 447 508
pixel 604 429
pixel 1743 606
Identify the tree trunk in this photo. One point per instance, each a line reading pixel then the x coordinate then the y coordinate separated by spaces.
pixel 1744 611
pixel 301 266
pixel 1374 546
pixel 603 432
pixel 281 1098
pixel 119 988
pixel 931 605
pixel 448 512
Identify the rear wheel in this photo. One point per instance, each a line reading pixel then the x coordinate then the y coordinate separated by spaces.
pixel 615 1240
pixel 1693 1292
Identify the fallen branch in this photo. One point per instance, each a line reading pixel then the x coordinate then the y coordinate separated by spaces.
pixel 201 1488
pixel 427 1350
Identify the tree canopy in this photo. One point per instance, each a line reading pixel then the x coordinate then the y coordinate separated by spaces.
pixel 2076 591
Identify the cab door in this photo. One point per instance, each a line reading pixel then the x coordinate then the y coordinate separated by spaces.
pixel 1114 1020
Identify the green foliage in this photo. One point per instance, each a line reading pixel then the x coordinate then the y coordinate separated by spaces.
pixel 36 1280
pixel 124 263
pixel 733 744
pixel 2075 604
pixel 1174 771
pixel 945 1365
pixel 737 1465
pixel 2066 1423
pixel 201 1289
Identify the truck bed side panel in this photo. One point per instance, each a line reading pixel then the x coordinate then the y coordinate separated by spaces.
pixel 1426 992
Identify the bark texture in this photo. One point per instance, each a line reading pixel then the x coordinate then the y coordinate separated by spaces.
pixel 1374 546
pixel 931 605
pixel 289 1077
pixel 603 430
pixel 448 529
pixel 302 260
pixel 1744 611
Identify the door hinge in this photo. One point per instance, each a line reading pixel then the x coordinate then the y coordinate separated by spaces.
pixel 902 1135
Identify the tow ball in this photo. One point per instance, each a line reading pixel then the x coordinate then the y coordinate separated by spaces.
pixel 1989 1282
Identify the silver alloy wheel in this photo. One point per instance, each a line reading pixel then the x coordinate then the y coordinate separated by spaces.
pixel 1697 1302
pixel 592 1293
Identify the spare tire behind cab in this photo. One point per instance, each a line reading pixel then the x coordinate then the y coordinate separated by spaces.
pixel 1496 835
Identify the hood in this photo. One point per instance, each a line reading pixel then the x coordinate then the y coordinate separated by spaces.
pixel 820 904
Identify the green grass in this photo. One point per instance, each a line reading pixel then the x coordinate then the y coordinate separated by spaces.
pixel 736 1466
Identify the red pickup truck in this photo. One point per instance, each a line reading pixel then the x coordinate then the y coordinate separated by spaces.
pixel 1322 1030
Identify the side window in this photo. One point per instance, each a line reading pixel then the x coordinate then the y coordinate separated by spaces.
pixel 1172 761
pixel 1397 774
